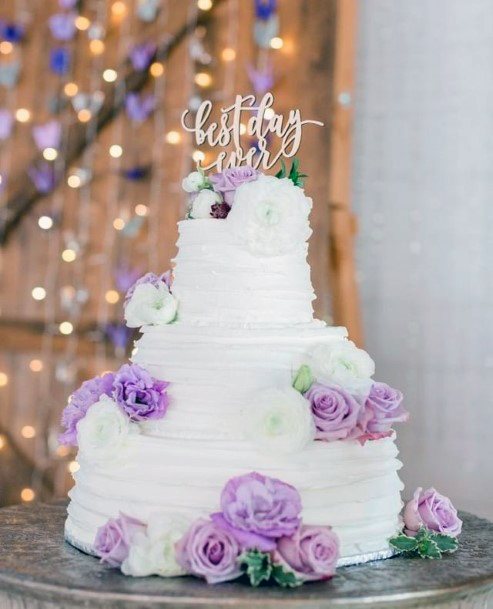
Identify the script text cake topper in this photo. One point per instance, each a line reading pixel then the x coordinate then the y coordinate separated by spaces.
pixel 260 123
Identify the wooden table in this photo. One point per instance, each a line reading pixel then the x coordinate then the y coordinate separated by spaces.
pixel 38 570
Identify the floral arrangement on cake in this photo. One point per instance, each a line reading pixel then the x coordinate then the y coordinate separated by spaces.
pixel 149 301
pixel 258 535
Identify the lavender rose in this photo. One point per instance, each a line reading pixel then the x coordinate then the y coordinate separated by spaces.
pixel 311 553
pixel 140 396
pixel 337 414
pixel 230 179
pixel 79 402
pixel 210 552
pixel 433 511
pixel 258 504
pixel 113 539
pixel 151 278
pixel 384 404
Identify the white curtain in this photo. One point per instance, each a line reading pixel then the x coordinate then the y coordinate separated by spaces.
pixel 423 191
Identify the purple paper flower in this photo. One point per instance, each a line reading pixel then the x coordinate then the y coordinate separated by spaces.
pixel 311 553
pixel 209 551
pixel 60 61
pixel 47 135
pixel 261 80
pixel 433 511
pixel 6 123
pixel 220 210
pixel 125 276
pixel 62 26
pixel 226 182
pixel 140 396
pixel 113 539
pixel 139 107
pixel 385 406
pixel 151 278
pixel 141 55
pixel 265 8
pixel 43 177
pixel 136 173
pixel 11 32
pixel 119 335
pixel 336 413
pixel 68 4
pixel 258 504
pixel 80 401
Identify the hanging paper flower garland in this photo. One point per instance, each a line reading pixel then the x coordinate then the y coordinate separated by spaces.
pixel 47 135
pixel 43 177
pixel 62 26
pixel 147 10
pixel 60 61
pixel 139 107
pixel 6 124
pixel 11 32
pixel 142 55
pixel 9 74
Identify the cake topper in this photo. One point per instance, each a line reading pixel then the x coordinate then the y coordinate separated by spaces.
pixel 261 124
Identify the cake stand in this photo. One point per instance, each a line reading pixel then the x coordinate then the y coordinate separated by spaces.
pixel 38 570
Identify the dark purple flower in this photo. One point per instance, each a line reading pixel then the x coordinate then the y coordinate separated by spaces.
pixel 265 8
pixel 11 32
pixel 151 278
pixel 140 396
pixel 336 413
pixel 62 26
pixel 226 182
pixel 43 177
pixel 139 107
pixel 431 510
pixel 6 123
pixel 311 553
pixel 220 210
pixel 141 55
pixel 258 504
pixel 113 539
pixel 47 135
pixel 209 551
pixel 385 407
pixel 79 402
pixel 136 173
pixel 60 61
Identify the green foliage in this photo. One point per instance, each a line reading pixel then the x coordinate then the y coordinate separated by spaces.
pixel 426 544
pixel 445 543
pixel 403 543
pixel 285 579
pixel 258 567
pixel 303 379
pixel 427 548
pixel 294 174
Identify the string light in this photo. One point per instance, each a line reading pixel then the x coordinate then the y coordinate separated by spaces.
pixel 69 255
pixel 110 75
pixel 276 43
pixel 84 115
pixel 96 46
pixel 243 128
pixel 74 181
pixel 73 467
pixel 112 296
pixel 118 224
pixel 82 23
pixel 203 79
pixel 66 328
pixel 4 379
pixel 173 137
pixel 62 451
pixel 228 54
pixel 28 432
pixel 36 365
pixel 6 47
pixel 204 5
pixel 23 115
pixel 141 210
pixel 269 113
pixel 50 154
pixel 38 293
pixel 3 441
pixel 156 69
pixel 27 494
pixel 116 151
pixel 71 89
pixel 118 9
pixel 45 222
pixel 198 156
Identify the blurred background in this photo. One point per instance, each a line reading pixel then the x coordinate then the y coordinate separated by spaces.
pixel 91 158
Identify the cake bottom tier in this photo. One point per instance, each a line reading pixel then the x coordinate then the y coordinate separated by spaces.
pixel 353 488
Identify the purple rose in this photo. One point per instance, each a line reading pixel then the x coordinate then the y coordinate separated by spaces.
pixel 246 539
pixel 311 553
pixel 151 278
pixel 261 505
pixel 337 414
pixel 433 511
pixel 220 210
pixel 384 404
pixel 113 539
pixel 209 551
pixel 230 179
pixel 79 402
pixel 140 396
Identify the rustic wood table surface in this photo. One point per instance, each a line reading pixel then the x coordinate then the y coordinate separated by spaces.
pixel 38 570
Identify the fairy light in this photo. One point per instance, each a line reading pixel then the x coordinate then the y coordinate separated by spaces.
pixel 50 154
pixel 118 224
pixel 110 75
pixel 269 113
pixel 28 432
pixel 4 379
pixel 6 47
pixel 82 23
pixel 66 328
pixel 156 69
pixel 3 441
pixel 204 5
pixel 45 222
pixel 27 494
pixel 203 79
pixel 74 181
pixel 69 255
pixel 116 151
pixel 276 43
pixel 36 365
pixel 96 46
pixel 118 9
pixel 141 210
pixel 71 89
pixel 228 54
pixel 62 451
pixel 73 467
pixel 243 128
pixel 198 156
pixel 23 115
pixel 84 115
pixel 112 297
pixel 38 293
pixel 173 137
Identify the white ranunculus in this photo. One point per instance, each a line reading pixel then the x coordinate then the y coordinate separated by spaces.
pixel 150 305
pixel 279 421
pixel 194 182
pixel 270 215
pixel 203 202
pixel 153 552
pixel 343 364
pixel 103 433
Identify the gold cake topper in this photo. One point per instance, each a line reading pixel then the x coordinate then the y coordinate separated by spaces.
pixel 262 123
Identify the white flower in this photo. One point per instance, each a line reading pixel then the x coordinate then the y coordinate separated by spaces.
pixel 153 552
pixel 150 305
pixel 194 182
pixel 270 215
pixel 103 433
pixel 279 421
pixel 203 202
pixel 343 364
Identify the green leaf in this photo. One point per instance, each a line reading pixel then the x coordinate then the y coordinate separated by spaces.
pixel 427 548
pixel 403 543
pixel 282 172
pixel 303 379
pixel 257 566
pixel 445 543
pixel 285 579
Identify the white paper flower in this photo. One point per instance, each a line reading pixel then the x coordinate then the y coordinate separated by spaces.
pixel 343 364
pixel 279 421
pixel 103 433
pixel 153 552
pixel 151 305
pixel 270 215
pixel 194 182
pixel 203 202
